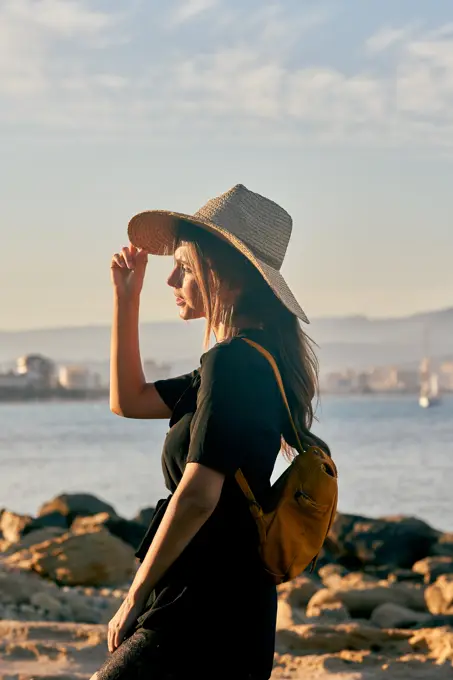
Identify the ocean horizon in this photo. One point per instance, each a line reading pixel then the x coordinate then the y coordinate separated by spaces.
pixel 393 457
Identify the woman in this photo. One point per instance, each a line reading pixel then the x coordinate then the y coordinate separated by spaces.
pixel 201 604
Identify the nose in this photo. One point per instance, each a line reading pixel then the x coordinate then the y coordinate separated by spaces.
pixel 173 279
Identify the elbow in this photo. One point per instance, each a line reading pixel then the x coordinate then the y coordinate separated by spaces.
pixel 115 408
pixel 198 504
pixel 120 410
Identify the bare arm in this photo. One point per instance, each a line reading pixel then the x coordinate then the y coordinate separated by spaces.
pixel 130 395
pixel 190 507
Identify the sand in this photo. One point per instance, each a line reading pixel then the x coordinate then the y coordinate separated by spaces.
pixel 70 651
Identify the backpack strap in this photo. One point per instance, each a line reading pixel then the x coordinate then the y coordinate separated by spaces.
pixel 241 480
pixel 278 377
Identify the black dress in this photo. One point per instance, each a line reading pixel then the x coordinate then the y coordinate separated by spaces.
pixel 213 614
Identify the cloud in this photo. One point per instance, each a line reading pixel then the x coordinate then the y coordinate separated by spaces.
pixel 252 74
pixel 64 18
pixel 29 32
pixel 388 37
pixel 188 9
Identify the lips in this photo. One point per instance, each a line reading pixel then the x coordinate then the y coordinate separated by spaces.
pixel 179 301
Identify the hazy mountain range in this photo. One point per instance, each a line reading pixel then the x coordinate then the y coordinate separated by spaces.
pixel 356 342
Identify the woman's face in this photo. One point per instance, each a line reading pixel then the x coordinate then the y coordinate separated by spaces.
pixel 185 287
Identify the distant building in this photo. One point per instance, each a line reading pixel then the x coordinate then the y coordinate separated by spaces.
pixel 337 383
pixel 13 381
pixel 78 378
pixel 446 376
pixel 38 371
pixel 154 371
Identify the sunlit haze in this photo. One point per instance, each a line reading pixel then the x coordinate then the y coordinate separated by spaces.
pixel 342 112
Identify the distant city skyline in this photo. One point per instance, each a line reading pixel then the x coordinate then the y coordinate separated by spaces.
pixel 341 112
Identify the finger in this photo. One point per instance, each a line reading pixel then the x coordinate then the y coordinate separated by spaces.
pixel 116 641
pixel 118 260
pixel 141 258
pixel 133 249
pixel 128 257
pixel 109 640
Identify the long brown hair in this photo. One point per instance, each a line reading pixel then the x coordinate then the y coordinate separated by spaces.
pixel 217 267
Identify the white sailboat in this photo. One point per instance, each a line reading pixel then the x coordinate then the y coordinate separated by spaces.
pixel 429 386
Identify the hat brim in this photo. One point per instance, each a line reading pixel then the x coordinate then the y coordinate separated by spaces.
pixel 156 232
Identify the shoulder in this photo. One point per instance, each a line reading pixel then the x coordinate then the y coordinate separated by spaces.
pixel 233 358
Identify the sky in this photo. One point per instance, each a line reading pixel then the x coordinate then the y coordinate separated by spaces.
pixel 341 112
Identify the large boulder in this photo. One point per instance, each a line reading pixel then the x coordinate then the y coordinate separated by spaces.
pixel 389 541
pixel 433 567
pixel 12 525
pixel 391 615
pixel 439 595
pixel 127 530
pixel 93 559
pixel 72 505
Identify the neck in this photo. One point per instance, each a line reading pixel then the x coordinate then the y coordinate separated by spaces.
pixel 221 330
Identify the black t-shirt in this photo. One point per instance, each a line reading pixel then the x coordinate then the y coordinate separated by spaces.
pixel 228 414
pixel 217 597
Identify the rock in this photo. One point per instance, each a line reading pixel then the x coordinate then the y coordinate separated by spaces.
pixel 39 536
pixel 334 612
pixel 47 603
pixel 331 574
pixel 129 531
pixel 436 621
pixel 144 516
pixel 81 609
pixel 18 588
pixel 52 519
pixel 299 591
pixel 444 546
pixel 401 575
pixel 323 639
pixel 381 571
pixel 437 643
pixel 74 505
pixel 288 616
pixel 390 615
pixel 97 559
pixel 293 596
pixel 5 546
pixel 393 541
pixel 439 595
pixel 12 525
pixel 361 601
pixel 432 567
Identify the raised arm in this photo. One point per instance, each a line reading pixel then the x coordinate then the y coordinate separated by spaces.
pixel 130 395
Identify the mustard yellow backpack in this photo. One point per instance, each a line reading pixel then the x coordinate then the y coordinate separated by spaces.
pixel 302 505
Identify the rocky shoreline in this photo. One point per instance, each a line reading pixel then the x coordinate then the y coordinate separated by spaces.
pixel 379 605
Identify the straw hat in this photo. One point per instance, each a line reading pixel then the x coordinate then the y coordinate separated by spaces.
pixel 259 228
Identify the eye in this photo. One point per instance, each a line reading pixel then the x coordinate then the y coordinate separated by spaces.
pixel 185 268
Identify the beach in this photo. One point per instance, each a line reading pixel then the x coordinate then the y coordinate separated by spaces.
pixel 379 604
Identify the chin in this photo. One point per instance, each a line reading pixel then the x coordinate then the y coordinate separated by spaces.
pixel 188 314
